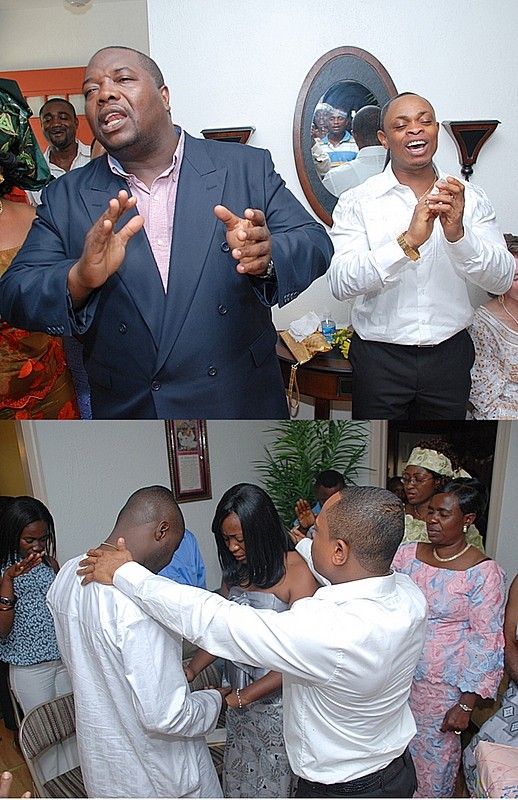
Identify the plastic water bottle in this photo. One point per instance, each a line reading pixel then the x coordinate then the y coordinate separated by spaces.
pixel 328 326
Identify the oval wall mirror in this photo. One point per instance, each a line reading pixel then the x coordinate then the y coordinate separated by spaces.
pixel 346 78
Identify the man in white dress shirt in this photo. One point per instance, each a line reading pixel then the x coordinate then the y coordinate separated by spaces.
pixel 407 244
pixel 347 654
pixel 371 154
pixel 140 731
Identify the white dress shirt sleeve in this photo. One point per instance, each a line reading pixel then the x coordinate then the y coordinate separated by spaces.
pixel 280 641
pixel 161 696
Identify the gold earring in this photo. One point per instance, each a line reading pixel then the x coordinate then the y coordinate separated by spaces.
pixel 2 179
pixel 464 529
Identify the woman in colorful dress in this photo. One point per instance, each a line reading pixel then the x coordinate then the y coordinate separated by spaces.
pixel 430 464
pixel 34 379
pixel 462 657
pixel 258 570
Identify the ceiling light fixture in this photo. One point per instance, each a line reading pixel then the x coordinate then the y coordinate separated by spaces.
pixel 77 3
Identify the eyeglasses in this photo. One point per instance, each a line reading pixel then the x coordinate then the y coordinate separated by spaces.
pixel 416 481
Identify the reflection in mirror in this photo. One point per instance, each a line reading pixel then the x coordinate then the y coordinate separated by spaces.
pixel 341 83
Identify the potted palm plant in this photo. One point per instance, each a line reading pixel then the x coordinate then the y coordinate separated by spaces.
pixel 301 449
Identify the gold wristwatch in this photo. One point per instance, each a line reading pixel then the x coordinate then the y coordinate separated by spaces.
pixel 410 252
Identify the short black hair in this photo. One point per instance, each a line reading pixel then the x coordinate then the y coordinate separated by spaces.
pixel 329 478
pixel 389 102
pixel 470 492
pixel 371 521
pixel 265 537
pixel 145 61
pixel 59 100
pixel 366 124
pixel 151 504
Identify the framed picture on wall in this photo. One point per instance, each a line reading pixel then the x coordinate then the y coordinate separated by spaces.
pixel 188 456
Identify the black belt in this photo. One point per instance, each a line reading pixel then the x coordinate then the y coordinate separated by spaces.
pixel 367 782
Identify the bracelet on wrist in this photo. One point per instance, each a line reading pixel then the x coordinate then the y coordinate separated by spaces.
pixel 239 701
pixel 8 601
pixel 6 608
pixel 465 707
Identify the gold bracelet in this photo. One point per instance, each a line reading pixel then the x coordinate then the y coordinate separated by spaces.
pixel 6 608
pixel 238 695
pixel 465 707
pixel 411 252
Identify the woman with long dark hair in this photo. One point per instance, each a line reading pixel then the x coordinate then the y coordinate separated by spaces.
pixel 27 639
pixel 261 570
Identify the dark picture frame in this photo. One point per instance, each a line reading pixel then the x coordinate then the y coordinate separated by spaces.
pixel 188 457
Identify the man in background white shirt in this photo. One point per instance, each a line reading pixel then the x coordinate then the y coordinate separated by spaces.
pixel 140 731
pixel 371 154
pixel 407 243
pixel 347 654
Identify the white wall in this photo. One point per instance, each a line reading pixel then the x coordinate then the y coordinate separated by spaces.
pixel 52 35
pixel 89 469
pixel 237 63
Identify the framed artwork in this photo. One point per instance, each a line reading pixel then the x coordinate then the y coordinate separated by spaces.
pixel 188 456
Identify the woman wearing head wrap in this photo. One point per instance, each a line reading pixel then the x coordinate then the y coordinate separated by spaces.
pixel 34 380
pixel 430 465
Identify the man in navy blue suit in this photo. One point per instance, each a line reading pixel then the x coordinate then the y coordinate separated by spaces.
pixel 165 257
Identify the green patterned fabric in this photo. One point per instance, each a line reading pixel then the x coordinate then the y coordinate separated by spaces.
pixel 16 137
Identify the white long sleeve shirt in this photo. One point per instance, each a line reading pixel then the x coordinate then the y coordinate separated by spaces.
pixel 347 655
pixel 407 302
pixel 140 731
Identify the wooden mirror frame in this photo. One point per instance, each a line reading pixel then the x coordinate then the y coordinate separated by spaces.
pixel 341 64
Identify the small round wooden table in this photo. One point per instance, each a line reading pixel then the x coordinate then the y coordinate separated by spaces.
pixel 325 377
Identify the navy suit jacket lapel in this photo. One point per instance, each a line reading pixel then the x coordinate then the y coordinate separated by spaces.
pixel 139 271
pixel 200 188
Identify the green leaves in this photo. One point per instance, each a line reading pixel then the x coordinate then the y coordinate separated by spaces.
pixel 304 448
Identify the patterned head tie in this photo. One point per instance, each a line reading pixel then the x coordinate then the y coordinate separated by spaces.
pixel 434 462
pixel 16 137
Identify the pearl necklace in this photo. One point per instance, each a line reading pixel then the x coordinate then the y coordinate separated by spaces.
pixel 502 303
pixel 450 558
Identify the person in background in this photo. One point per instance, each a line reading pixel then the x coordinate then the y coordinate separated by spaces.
pixel 28 642
pixel 371 156
pixel 347 654
pixel 502 727
pixel 320 123
pixel 172 304
pixel 140 731
pixel 408 243
pixel 337 146
pixel 395 484
pixel 462 658
pixel 429 466
pixel 258 571
pixel 494 376
pixel 327 483
pixel 186 565
pixel 35 382
pixel 65 152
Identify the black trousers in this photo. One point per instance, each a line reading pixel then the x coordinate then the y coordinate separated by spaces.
pixel 393 381
pixel 397 779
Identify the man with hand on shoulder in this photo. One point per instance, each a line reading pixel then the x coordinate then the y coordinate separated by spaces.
pixel 347 654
